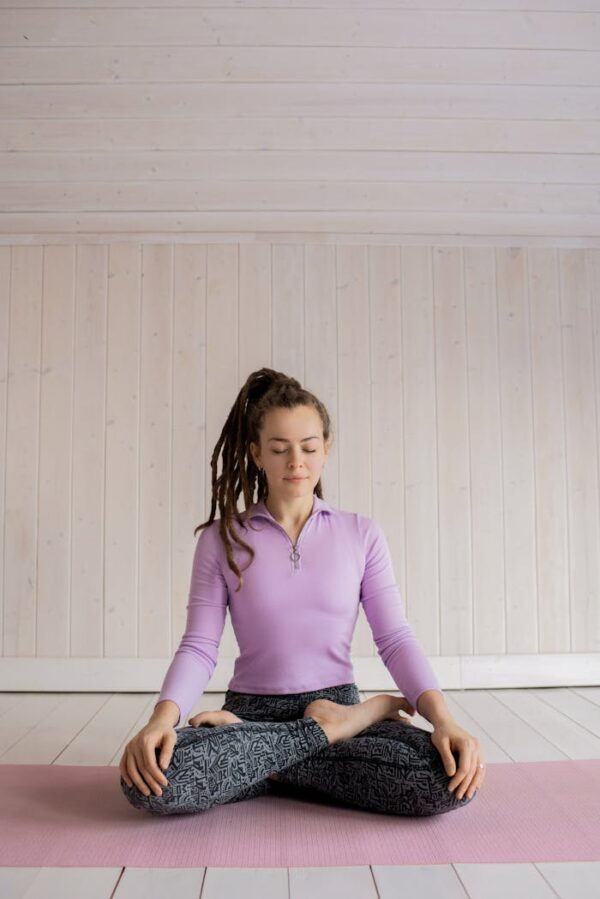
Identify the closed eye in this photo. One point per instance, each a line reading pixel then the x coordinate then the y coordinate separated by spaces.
pixel 279 452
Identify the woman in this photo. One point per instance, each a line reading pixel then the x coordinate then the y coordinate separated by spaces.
pixel 292 717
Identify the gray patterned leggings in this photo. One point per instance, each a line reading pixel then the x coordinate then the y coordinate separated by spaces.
pixel 389 767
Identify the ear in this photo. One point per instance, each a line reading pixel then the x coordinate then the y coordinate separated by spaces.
pixel 254 455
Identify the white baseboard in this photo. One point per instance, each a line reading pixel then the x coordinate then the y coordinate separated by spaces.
pixel 131 675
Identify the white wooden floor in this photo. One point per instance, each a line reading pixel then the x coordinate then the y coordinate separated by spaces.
pixel 512 725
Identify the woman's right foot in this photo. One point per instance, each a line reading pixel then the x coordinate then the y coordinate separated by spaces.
pixel 340 722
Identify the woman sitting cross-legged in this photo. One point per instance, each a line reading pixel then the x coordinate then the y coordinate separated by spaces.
pixel 292 719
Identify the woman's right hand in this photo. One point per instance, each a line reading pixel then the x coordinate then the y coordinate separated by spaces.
pixel 138 763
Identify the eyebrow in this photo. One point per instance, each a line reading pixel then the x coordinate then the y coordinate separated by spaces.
pixel 285 440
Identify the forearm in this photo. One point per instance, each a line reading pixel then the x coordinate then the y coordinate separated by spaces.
pixel 166 710
pixel 432 706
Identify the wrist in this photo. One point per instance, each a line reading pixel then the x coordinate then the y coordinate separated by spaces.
pixel 432 706
pixel 166 711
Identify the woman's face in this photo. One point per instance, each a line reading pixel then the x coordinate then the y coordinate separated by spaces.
pixel 291 446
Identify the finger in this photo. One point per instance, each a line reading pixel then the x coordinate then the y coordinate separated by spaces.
pixel 154 769
pixel 124 774
pixel 148 768
pixel 464 767
pixel 465 785
pixel 447 757
pixel 135 776
pixel 142 765
pixel 479 779
pixel 475 783
pixel 165 759
pixel 466 788
pixel 123 769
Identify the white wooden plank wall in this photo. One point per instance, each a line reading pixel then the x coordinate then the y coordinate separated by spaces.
pixel 462 383
pixel 466 121
pixel 396 203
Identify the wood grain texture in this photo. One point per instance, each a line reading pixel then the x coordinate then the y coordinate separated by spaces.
pixel 457 120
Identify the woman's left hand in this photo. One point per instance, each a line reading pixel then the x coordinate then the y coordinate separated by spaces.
pixel 448 736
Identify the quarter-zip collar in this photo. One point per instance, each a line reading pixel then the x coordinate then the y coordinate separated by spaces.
pixel 259 510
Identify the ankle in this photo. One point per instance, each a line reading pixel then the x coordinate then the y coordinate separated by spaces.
pixel 326 727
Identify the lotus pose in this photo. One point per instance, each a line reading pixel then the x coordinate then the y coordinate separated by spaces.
pixel 293 570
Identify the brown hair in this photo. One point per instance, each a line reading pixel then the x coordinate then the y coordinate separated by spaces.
pixel 264 390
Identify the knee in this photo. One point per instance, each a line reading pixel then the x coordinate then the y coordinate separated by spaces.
pixel 436 798
pixel 133 795
pixel 449 802
pixel 171 799
pixel 441 798
pixel 154 804
pixel 425 802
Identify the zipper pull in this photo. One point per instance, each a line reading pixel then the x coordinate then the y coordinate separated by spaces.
pixel 294 556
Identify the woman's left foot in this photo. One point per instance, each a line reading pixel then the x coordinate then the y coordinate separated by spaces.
pixel 340 722
pixel 386 706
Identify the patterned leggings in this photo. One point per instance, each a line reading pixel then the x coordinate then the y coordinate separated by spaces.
pixel 389 767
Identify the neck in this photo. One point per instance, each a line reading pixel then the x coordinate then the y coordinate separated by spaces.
pixel 294 512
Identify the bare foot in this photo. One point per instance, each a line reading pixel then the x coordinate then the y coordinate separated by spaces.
pixel 340 722
pixel 331 714
pixel 214 717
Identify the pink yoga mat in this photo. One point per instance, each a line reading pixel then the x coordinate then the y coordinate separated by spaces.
pixel 61 815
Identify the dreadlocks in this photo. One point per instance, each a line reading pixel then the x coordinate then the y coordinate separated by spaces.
pixel 264 390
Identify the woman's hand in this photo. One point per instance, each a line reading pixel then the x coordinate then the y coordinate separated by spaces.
pixel 448 736
pixel 216 716
pixel 138 763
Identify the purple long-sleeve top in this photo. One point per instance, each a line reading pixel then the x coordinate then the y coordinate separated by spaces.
pixel 296 612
